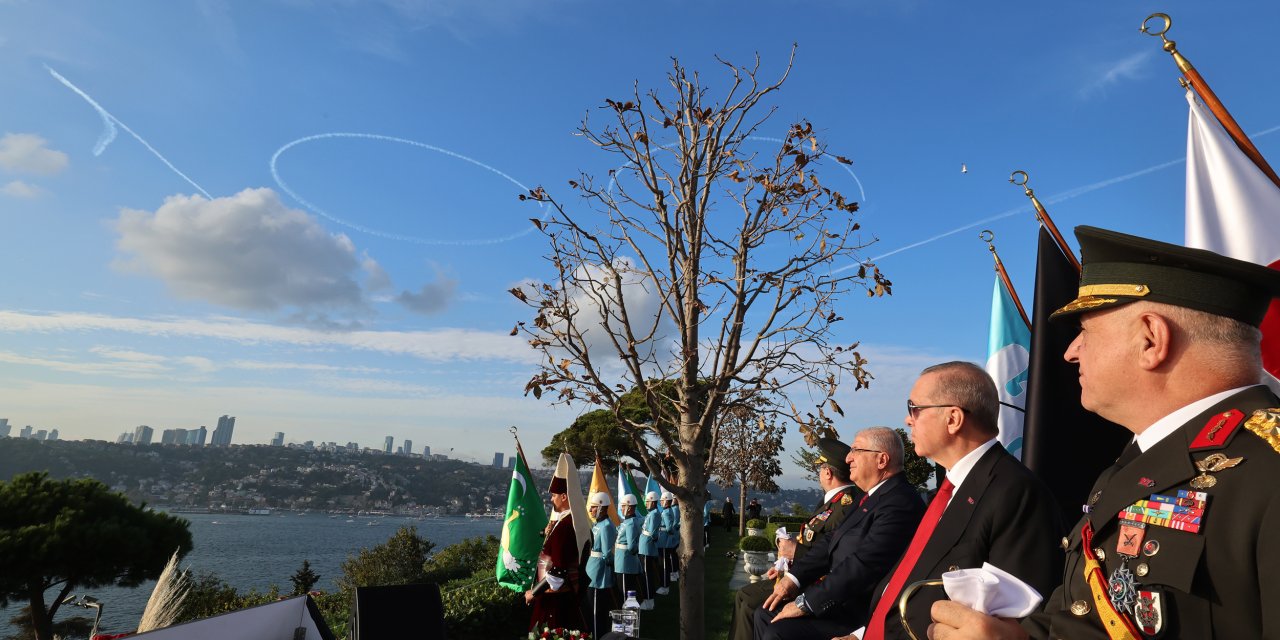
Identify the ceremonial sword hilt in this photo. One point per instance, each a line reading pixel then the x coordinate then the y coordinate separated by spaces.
pixel 906 595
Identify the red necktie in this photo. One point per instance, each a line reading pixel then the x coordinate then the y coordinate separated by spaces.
pixel 864 500
pixel 889 599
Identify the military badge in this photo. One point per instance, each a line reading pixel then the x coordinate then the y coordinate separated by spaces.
pixel 808 535
pixel 1212 464
pixel 1148 612
pixel 845 500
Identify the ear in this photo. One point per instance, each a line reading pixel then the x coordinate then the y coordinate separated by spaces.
pixel 955 418
pixel 1154 335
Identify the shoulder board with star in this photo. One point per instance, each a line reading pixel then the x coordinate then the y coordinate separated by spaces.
pixel 1218 431
pixel 1265 423
pixel 846 500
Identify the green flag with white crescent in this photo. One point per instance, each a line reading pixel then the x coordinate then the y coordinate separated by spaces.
pixel 525 519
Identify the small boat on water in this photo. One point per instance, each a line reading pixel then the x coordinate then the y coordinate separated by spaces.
pixel 259 512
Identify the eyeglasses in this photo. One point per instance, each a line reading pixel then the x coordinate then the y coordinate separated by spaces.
pixel 857 450
pixel 913 409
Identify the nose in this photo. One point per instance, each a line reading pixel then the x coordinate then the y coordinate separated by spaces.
pixel 1072 353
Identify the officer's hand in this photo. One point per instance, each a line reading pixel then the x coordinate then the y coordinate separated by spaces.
pixel 789 611
pixel 952 621
pixel 771 573
pixel 783 591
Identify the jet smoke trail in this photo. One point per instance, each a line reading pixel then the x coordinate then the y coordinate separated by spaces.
pixel 275 173
pixel 109 131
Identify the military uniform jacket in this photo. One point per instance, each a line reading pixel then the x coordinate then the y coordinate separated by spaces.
pixel 625 550
pixel 670 537
pixel 651 533
pixel 827 517
pixel 600 560
pixel 851 559
pixel 1220 582
pixel 1000 514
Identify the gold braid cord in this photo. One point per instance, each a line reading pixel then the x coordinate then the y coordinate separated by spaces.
pixel 1265 423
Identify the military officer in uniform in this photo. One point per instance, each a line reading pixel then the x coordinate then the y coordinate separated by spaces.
pixel 600 583
pixel 1179 537
pixel 840 496
pixel 626 552
pixel 651 550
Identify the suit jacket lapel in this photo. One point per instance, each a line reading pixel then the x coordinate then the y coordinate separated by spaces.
pixel 964 501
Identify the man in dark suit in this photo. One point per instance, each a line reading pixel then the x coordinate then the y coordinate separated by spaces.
pixel 839 498
pixel 827 592
pixel 997 511
pixel 1178 537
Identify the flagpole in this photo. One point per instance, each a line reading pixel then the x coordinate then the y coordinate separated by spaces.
pixel 988 236
pixel 1210 98
pixel 1043 216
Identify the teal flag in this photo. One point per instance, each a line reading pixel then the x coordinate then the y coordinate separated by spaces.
pixel 627 485
pixel 524 521
pixel 1008 358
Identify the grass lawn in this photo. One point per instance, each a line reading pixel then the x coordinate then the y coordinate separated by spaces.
pixel 663 623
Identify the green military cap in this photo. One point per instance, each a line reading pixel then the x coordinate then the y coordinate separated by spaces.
pixel 1118 268
pixel 833 452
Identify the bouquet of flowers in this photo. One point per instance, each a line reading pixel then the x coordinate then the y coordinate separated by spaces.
pixel 559 633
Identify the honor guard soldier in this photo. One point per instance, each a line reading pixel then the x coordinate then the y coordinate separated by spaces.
pixel 671 543
pixel 1179 537
pixel 626 552
pixel 556 589
pixel 840 496
pixel 600 595
pixel 651 549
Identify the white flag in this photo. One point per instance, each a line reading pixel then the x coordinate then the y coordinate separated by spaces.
pixel 1233 209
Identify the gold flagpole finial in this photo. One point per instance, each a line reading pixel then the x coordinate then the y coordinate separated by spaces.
pixel 1168 45
pixel 988 236
pixel 1020 178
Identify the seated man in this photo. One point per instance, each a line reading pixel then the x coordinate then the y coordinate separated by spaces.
pixel 828 591
pixel 839 497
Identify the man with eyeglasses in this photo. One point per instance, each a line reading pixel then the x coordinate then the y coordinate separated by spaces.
pixel 989 508
pixel 828 591
pixel 1179 537
pixel 840 497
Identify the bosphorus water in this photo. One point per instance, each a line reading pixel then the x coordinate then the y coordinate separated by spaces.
pixel 257 551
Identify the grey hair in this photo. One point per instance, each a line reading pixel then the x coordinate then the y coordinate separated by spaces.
pixel 970 387
pixel 1237 343
pixel 886 440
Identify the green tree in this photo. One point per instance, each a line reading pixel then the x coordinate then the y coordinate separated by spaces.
pixel 304 579
pixel 63 534
pixel 591 433
pixel 706 260
pixel 462 559
pixel 399 560
pixel 918 469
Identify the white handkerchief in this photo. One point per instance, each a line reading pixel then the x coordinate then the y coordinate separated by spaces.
pixel 992 591
pixel 782 533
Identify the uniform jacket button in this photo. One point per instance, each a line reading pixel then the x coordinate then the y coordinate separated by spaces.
pixel 1080 607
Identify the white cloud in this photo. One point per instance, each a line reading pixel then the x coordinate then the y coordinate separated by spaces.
pixel 247 251
pixel 440 345
pixel 117 368
pixel 433 297
pixel 26 153
pixel 1112 73
pixel 20 189
pixel 376 278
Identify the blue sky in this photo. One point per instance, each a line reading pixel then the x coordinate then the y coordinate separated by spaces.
pixel 244 261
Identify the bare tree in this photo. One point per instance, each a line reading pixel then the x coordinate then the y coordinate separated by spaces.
pixel 748 443
pixel 708 276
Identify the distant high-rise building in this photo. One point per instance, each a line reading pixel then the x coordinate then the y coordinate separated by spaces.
pixel 511 461
pixel 4 427
pixel 353 446
pixel 222 434
pixel 25 432
pixel 426 451
pixel 386 447
pixel 41 435
pixel 53 434
pixel 497 460
pixel 125 438
pixel 278 439
pixel 173 436
pixel 309 445
pixel 142 434
pixel 196 437
pixel 408 447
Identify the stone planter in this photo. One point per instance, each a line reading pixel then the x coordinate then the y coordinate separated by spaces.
pixel 755 532
pixel 756 563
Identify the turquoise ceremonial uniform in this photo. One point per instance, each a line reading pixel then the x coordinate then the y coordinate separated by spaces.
pixel 651 533
pixel 600 564
pixel 670 527
pixel 626 558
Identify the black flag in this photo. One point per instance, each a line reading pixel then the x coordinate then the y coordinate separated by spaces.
pixel 1063 444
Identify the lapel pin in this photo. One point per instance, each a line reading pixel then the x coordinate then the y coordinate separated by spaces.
pixel 1147 482
pixel 971 500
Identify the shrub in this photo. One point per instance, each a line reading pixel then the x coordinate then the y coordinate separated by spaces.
pixel 477 607
pixel 755 543
pixel 755 523
pixel 399 560
pixel 462 560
